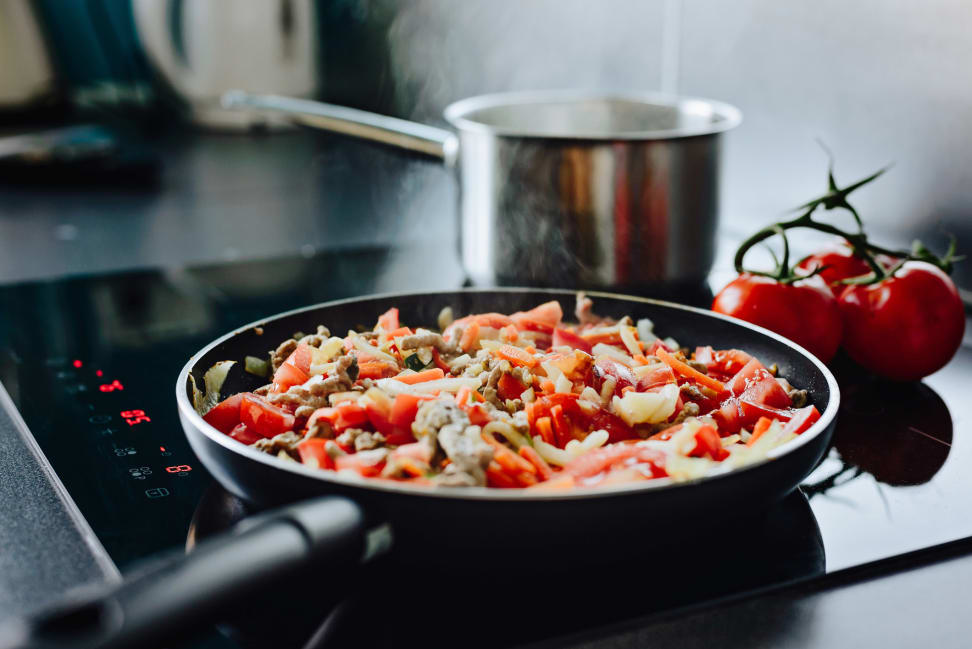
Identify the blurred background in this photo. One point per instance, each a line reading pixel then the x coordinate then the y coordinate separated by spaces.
pixel 152 173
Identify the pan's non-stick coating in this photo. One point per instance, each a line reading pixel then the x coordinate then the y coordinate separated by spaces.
pixel 422 518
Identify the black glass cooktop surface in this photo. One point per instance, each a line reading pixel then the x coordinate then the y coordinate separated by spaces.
pixel 91 362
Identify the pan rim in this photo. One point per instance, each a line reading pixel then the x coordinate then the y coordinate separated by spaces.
pixel 188 414
pixel 457 113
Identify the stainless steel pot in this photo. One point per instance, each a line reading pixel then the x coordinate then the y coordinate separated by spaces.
pixel 565 188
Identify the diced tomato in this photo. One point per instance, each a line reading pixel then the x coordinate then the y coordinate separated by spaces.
pixel 378 418
pixel 576 365
pixel 708 443
pixel 606 457
pixel 347 414
pixel 656 378
pixel 543 318
pixel 400 436
pixel 764 389
pixel 264 418
pixel 494 320
pixel 544 428
pixel 243 434
pixel 517 356
pixel 570 339
pixel 666 434
pixel 313 451
pixel 729 417
pixel 302 357
pixel 724 363
pixel 617 429
pixel 750 413
pixel 364 462
pixel 441 364
pixel 415 450
pixel 655 346
pixel 288 375
pixel 404 409
pixel 509 387
pixel 389 319
pixel 605 367
pixel 225 415
pixel 561 425
pixel 372 369
pixel 401 331
pixel 741 380
pixel 802 419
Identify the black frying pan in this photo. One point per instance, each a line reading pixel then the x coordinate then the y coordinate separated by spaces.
pixel 452 528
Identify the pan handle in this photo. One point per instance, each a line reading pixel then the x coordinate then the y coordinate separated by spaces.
pixel 421 138
pixel 178 595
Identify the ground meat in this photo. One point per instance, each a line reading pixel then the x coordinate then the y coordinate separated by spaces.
pixel 698 366
pixel 428 339
pixel 286 442
pixel 361 440
pixel 461 442
pixel 459 364
pixel 263 390
pixel 521 374
pixel 316 339
pixel 280 354
pixel 314 393
pixel 798 398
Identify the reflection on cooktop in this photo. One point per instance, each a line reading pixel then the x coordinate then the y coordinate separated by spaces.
pixel 503 599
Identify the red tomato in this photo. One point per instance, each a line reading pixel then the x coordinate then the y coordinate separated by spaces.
pixel 905 327
pixel 725 362
pixel 509 387
pixel 751 412
pixel 708 443
pixel 605 367
pixel 804 311
pixel 766 391
pixel 728 417
pixel 543 318
pixel 570 339
pixel 606 457
pixel 841 263
pixel 389 319
pixel 313 450
pixel 243 434
pixel 802 419
pixel 379 419
pixel 288 375
pixel 404 409
pixel 301 357
pixel 616 428
pixel 264 418
pixel 366 463
pixel 225 415
pixel 656 378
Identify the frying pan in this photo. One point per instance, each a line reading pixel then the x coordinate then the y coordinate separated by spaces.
pixel 338 519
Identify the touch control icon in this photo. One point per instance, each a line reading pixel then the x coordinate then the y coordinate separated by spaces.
pixel 158 492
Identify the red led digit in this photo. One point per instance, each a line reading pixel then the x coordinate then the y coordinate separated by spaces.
pixel 99 373
pixel 111 387
pixel 179 468
pixel 133 417
pixel 77 363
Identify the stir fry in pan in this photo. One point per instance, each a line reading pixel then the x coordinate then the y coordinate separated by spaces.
pixel 524 400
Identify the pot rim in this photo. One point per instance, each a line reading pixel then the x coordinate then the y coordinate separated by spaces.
pixel 724 116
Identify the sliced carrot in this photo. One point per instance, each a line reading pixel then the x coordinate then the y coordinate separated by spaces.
pixel 421 377
pixel 688 371
pixel 462 396
pixel 545 429
pixel 507 458
pixel 526 479
pixel 531 456
pixel 560 425
pixel 376 369
pixel 497 477
pixel 517 356
pixel 470 335
pixel 762 425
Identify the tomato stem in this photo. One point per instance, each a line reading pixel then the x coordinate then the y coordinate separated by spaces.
pixel 836 197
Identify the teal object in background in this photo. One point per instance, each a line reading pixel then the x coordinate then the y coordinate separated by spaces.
pixel 96 51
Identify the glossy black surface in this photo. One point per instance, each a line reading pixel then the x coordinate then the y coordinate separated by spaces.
pixel 897 479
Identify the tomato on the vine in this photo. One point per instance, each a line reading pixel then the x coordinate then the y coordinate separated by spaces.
pixel 905 327
pixel 804 311
pixel 838 263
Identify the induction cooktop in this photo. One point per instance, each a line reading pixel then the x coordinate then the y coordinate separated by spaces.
pixel 90 363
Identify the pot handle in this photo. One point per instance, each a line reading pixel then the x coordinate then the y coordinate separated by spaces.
pixel 400 133
pixel 178 595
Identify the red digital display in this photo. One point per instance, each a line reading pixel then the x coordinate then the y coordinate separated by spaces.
pixel 77 363
pixel 111 387
pixel 179 468
pixel 133 417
